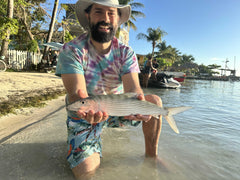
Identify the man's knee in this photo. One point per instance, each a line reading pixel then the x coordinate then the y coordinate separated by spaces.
pixel 87 167
pixel 154 99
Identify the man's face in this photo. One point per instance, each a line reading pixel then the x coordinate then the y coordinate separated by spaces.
pixel 103 23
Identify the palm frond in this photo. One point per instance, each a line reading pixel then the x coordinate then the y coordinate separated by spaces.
pixel 137 5
pixel 137 14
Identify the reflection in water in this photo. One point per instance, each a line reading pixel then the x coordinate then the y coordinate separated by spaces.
pixel 206 148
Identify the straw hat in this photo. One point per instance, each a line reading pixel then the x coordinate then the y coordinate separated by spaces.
pixel 81 5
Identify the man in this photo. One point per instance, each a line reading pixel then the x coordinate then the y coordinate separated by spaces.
pixel 97 63
pixel 155 71
pixel 147 70
pixel 155 64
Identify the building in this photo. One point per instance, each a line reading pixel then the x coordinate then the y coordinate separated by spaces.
pixel 141 59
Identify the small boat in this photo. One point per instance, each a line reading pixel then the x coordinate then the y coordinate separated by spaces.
pixel 163 81
pixel 178 76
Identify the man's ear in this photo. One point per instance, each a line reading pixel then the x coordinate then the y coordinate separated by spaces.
pixel 87 16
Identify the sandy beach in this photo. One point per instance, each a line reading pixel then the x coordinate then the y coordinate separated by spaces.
pixel 15 84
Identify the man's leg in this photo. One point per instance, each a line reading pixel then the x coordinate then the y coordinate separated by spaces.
pixel 145 80
pixel 87 168
pixel 84 147
pixel 152 129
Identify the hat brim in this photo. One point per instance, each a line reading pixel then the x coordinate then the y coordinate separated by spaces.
pixel 81 5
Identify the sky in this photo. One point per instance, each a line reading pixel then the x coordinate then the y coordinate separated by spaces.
pixel 209 30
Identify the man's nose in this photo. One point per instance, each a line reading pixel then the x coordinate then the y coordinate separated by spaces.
pixel 105 17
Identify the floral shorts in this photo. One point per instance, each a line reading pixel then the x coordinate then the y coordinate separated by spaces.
pixel 84 138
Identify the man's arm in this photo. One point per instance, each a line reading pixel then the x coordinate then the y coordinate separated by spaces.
pixel 131 84
pixel 73 83
pixel 75 86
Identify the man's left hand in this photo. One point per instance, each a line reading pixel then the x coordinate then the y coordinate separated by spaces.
pixel 150 98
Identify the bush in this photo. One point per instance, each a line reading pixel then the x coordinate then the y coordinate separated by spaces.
pixel 32 46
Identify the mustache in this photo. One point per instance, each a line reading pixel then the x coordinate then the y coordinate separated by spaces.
pixel 102 23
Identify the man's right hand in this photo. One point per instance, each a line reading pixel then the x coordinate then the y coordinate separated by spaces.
pixel 91 116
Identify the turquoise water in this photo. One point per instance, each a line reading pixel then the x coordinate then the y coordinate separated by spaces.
pixel 208 146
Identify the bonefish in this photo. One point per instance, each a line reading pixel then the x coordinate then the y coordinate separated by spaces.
pixel 125 105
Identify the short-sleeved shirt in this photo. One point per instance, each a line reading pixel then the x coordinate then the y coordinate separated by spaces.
pixel 102 72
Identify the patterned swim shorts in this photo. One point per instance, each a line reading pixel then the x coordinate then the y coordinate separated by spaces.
pixel 84 138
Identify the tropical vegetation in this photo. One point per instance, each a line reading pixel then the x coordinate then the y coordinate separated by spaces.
pixel 135 13
pixel 154 36
pixel 170 58
pixel 26 24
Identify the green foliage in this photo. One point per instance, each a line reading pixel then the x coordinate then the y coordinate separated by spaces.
pixel 3 6
pixel 205 70
pixel 163 63
pixel 33 46
pixel 213 66
pixel 8 25
pixel 68 37
pixel 64 6
pixel 135 13
pixel 154 36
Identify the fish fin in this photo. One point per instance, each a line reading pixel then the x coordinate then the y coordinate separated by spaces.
pixel 176 110
pixel 173 111
pixel 172 123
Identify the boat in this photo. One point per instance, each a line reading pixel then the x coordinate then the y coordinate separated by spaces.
pixel 178 76
pixel 163 81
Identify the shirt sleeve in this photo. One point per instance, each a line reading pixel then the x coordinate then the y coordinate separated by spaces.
pixel 69 61
pixel 129 62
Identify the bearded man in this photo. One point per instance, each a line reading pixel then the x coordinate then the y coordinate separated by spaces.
pixel 97 63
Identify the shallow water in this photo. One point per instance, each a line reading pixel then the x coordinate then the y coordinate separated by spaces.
pixel 208 146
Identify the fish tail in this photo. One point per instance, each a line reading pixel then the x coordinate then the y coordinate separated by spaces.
pixel 170 119
pixel 172 123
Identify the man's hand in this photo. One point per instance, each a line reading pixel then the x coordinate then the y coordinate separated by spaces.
pixel 151 98
pixel 91 116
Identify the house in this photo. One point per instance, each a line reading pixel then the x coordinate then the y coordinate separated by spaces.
pixel 141 59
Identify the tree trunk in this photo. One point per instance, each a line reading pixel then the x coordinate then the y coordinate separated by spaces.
pixel 153 47
pixel 51 27
pixel 5 42
pixel 24 20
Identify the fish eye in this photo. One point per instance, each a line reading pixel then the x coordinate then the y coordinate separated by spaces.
pixel 82 102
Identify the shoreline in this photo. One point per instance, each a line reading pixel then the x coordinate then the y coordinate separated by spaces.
pixel 24 87
pixel 11 124
pixel 215 78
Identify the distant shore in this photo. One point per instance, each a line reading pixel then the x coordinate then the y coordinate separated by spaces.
pixel 215 78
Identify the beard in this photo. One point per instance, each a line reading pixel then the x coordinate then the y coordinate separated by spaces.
pixel 101 36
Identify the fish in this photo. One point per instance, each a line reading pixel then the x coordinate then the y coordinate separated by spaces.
pixel 124 105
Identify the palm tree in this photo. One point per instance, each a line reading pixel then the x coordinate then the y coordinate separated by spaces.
pixel 153 35
pixel 134 14
pixel 51 26
pixel 187 58
pixel 168 52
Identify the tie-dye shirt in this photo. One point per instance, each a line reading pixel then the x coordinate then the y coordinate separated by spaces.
pixel 102 72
